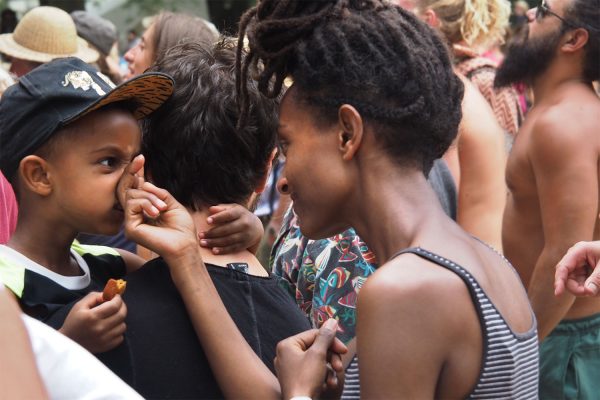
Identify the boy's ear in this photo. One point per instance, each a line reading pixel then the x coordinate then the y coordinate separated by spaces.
pixel 33 173
pixel 263 182
pixel 351 130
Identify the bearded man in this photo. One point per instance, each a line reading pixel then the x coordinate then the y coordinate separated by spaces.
pixel 553 180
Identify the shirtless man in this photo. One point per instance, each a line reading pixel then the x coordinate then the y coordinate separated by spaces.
pixel 553 179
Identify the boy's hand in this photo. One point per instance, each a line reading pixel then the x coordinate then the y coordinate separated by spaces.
pixel 96 325
pixel 132 178
pixel 234 228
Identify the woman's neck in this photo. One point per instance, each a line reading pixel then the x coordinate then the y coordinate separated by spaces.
pixel 398 210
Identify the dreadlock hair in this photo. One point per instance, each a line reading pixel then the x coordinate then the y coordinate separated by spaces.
pixel 380 59
pixel 586 14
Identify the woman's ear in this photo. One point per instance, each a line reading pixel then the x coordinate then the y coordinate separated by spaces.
pixel 34 176
pixel 263 182
pixel 351 130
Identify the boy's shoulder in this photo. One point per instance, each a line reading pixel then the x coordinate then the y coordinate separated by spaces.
pixel 97 263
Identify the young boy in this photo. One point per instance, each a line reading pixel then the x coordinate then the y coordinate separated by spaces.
pixel 66 135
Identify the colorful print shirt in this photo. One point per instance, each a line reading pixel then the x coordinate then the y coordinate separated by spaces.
pixel 326 282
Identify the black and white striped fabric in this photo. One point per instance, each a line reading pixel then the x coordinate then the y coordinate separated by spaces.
pixel 510 365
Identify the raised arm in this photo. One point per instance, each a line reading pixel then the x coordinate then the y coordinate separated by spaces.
pixel 566 172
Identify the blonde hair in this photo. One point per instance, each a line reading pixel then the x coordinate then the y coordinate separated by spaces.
pixel 477 22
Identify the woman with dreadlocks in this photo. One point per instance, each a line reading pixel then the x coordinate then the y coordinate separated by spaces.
pixel 374 103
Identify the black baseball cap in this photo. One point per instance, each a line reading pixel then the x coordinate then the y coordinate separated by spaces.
pixel 59 92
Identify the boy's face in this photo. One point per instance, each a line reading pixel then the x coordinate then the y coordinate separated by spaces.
pixel 86 166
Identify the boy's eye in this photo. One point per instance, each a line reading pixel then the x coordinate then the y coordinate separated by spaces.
pixel 109 161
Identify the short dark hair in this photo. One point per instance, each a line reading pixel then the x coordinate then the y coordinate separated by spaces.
pixel 586 14
pixel 391 67
pixel 192 144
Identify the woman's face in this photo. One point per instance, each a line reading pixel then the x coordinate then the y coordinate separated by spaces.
pixel 141 56
pixel 315 175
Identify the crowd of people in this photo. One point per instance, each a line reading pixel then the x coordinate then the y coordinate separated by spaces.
pixel 436 233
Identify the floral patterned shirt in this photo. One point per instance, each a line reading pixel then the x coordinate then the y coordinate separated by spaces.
pixel 332 271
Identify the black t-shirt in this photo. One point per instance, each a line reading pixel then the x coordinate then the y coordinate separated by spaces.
pixel 161 356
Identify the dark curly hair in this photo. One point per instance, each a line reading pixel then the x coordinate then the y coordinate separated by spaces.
pixel 382 60
pixel 586 14
pixel 192 144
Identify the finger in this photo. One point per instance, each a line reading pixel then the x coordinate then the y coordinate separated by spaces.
pixel 560 279
pixel 336 362
pixel 222 231
pixel 325 337
pixel 338 346
pixel 592 284
pixel 228 249
pixel 130 178
pixel 235 239
pixel 142 194
pixel 226 215
pixel 90 300
pixel 216 209
pixel 109 308
pixel 303 340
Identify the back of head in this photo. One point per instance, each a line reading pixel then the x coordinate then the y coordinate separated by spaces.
pixel 586 13
pixel 382 60
pixel 100 32
pixel 477 22
pixel 192 146
pixel 171 29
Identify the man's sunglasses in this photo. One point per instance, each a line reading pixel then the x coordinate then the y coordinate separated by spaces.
pixel 543 10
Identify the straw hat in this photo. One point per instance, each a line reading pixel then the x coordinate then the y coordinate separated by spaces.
pixel 46 33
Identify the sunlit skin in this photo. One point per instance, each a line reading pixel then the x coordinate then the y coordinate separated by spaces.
pixel 552 175
pixel 141 56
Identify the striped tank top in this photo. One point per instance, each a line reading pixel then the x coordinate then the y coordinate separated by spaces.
pixel 510 364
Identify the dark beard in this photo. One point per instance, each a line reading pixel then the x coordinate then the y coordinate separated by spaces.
pixel 527 59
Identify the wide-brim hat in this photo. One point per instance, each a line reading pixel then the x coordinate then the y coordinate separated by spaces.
pixel 46 33
pixel 60 92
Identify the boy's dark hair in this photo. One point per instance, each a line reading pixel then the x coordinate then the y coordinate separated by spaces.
pixel 193 147
pixel 380 59
pixel 586 14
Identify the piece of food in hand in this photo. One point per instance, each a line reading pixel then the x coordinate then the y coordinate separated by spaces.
pixel 113 287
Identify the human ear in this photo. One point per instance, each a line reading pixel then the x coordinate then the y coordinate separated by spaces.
pixel 575 40
pixel 33 174
pixel 263 182
pixel 350 132
pixel 431 18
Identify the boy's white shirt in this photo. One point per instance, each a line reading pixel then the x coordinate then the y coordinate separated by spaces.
pixel 68 282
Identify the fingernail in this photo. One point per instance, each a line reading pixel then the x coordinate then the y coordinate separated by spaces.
pixel 209 220
pixel 201 235
pixel 161 203
pixel 155 210
pixel 331 323
pixel 592 287
pixel 216 250
pixel 203 243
